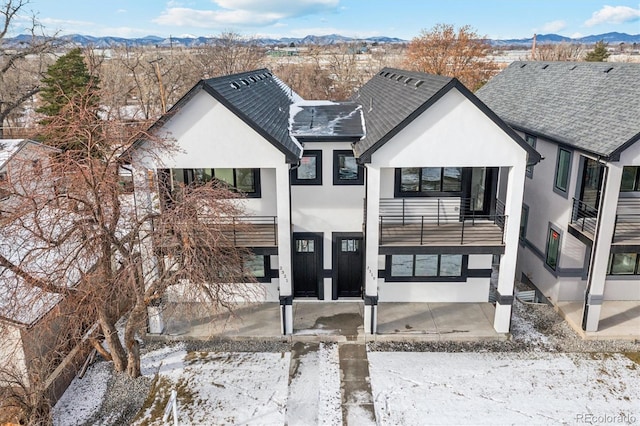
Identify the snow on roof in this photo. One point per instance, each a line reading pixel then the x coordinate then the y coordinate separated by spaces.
pixel 8 147
pixel 326 119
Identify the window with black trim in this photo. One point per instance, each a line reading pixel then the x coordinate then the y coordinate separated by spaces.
pixel 346 170
pixel 426 267
pixel 309 171
pixel 246 181
pixel 524 221
pixel 428 181
pixel 531 140
pixel 630 179
pixel 624 264
pixel 258 266
pixel 553 248
pixel 563 168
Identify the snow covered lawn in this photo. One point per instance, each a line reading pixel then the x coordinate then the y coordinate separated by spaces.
pixel 219 387
pixel 412 388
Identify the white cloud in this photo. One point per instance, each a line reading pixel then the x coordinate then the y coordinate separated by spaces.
pixel 613 15
pixel 243 12
pixel 121 11
pixel 576 35
pixel 554 26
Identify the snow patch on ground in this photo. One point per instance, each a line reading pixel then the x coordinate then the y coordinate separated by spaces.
pixel 83 397
pixel 501 388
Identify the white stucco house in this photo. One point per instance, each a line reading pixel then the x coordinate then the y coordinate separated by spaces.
pixel 580 233
pixel 410 191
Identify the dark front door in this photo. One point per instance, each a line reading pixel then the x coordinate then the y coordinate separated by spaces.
pixel 479 188
pixel 348 266
pixel 307 264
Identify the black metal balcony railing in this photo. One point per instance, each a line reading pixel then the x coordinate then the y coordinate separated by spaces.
pixel 584 217
pixel 437 221
pixel 241 231
pixel 627 226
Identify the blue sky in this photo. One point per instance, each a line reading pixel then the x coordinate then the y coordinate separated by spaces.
pixel 358 18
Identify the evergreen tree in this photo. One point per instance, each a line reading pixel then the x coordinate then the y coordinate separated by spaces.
pixel 599 53
pixel 68 80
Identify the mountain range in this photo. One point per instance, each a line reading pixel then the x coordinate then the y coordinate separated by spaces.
pixel 613 38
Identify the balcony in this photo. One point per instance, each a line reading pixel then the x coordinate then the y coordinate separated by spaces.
pixel 584 218
pixel 239 231
pixel 439 222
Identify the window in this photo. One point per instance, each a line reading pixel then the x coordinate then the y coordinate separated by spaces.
pixel 531 140
pixel 524 220
pixel 563 167
pixel 305 246
pixel 630 179
pixel 553 248
pixel 425 181
pixel 246 181
pixel 256 265
pixel 350 245
pixel 624 264
pixel 346 170
pixel 125 179
pixel 425 267
pixel 309 172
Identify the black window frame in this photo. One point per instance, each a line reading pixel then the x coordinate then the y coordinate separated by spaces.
pixel 553 229
pixel 399 193
pixel 188 177
pixel 636 270
pixel 317 153
pixel 532 141
pixel 636 183
pixel 413 278
pixel 268 273
pixel 524 222
pixel 557 189
pixel 359 180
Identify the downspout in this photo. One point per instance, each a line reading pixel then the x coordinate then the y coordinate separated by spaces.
pixel 288 299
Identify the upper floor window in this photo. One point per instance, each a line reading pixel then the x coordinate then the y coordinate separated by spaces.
pixel 246 181
pixel 346 170
pixel 524 221
pixel 563 167
pixel 531 140
pixel 624 264
pixel 425 181
pixel 630 179
pixel 309 171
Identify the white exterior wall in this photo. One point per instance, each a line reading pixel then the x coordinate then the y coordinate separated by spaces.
pixel 451 133
pixel 327 208
pixel 12 356
pixel 545 207
pixel 210 136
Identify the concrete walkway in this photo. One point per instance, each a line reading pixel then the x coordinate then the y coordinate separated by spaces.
pixel 618 319
pixel 355 385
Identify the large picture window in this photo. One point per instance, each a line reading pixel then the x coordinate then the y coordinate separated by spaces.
pixel 246 181
pixel 346 170
pixel 309 171
pixel 624 264
pixel 553 248
pixel 426 267
pixel 426 181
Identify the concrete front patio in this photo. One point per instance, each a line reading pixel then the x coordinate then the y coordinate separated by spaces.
pixel 618 319
pixel 336 321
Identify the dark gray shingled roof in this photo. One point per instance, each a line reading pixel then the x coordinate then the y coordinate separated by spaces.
pixel 323 120
pixel 262 101
pixel 593 106
pixel 393 98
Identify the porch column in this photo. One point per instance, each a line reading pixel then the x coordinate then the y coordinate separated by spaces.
pixel 285 277
pixel 513 211
pixel 371 254
pixel 603 237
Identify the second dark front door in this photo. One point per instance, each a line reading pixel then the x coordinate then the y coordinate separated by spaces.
pixel 307 264
pixel 348 264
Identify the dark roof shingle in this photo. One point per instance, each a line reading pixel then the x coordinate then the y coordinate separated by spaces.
pixel 327 120
pixel 593 106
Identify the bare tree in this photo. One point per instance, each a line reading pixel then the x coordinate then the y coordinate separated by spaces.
pixel 97 240
pixel 558 52
pixel 230 53
pixel 21 65
pixel 462 54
